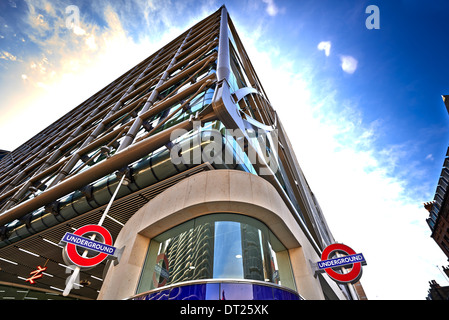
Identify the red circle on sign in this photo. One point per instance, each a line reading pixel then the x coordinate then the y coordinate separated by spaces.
pixel 350 277
pixel 81 261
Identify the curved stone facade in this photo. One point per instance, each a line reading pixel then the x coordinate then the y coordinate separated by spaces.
pixel 207 193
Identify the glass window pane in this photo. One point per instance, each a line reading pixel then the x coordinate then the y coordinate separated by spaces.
pixel 193 292
pixel 160 295
pixel 280 294
pixel 262 292
pixel 227 250
pixel 237 291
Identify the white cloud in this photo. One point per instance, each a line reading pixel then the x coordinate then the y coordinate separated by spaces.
pixel 91 43
pixel 78 31
pixel 5 55
pixel 325 46
pixel 348 64
pixel 271 8
pixel 12 4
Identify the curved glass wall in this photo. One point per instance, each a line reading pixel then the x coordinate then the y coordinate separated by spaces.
pixel 220 290
pixel 216 246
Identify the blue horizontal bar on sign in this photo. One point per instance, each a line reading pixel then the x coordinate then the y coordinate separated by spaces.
pixel 339 262
pixel 88 244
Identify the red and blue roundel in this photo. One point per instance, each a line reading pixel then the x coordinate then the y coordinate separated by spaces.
pixel 103 246
pixel 350 257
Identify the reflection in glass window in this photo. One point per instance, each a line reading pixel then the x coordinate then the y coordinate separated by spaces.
pixel 227 253
pixel 216 246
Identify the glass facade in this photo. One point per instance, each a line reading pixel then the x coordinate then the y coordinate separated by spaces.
pixel 217 246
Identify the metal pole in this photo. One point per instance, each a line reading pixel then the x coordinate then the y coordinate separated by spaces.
pixel 105 213
pixel 129 138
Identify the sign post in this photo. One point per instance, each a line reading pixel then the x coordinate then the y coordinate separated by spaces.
pixel 103 247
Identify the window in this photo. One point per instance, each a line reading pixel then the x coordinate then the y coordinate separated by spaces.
pixel 216 246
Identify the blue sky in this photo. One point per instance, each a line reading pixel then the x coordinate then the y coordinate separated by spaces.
pixel 362 107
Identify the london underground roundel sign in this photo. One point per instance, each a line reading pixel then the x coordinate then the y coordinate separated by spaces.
pixel 102 245
pixel 348 257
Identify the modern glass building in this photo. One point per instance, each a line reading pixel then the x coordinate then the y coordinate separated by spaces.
pixel 185 162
